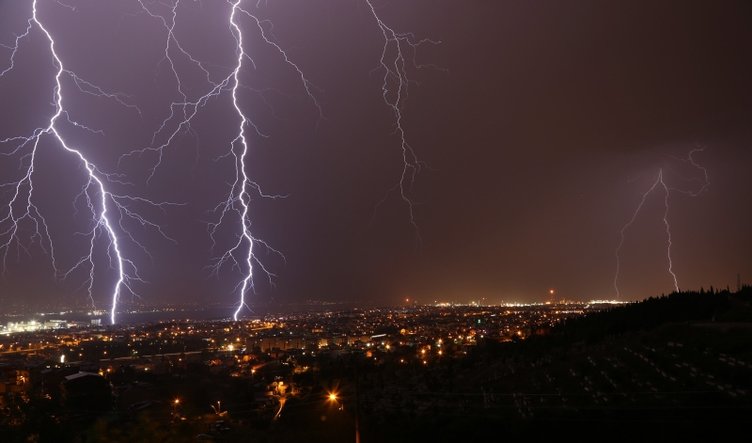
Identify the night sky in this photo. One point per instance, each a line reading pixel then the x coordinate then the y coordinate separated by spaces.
pixel 541 129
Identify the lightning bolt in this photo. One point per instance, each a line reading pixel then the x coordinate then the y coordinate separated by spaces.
pixel 241 254
pixel 240 190
pixel 397 53
pixel 109 211
pixel 660 184
pixel 241 184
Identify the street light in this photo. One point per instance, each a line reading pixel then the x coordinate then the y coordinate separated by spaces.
pixel 175 404
pixel 333 397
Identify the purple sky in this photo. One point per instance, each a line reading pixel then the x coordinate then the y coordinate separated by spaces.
pixel 550 121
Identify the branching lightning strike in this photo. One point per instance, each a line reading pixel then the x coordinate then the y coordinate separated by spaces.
pixel 237 202
pixel 660 184
pixel 109 211
pixel 399 49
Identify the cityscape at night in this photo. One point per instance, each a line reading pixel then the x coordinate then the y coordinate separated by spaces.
pixel 431 369
pixel 375 220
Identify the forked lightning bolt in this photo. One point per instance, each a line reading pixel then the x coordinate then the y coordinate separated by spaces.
pixel 243 186
pixel 109 210
pixel 660 184
pixel 240 255
pixel 399 51
pixel 239 189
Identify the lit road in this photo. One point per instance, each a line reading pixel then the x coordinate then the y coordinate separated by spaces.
pixel 282 401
